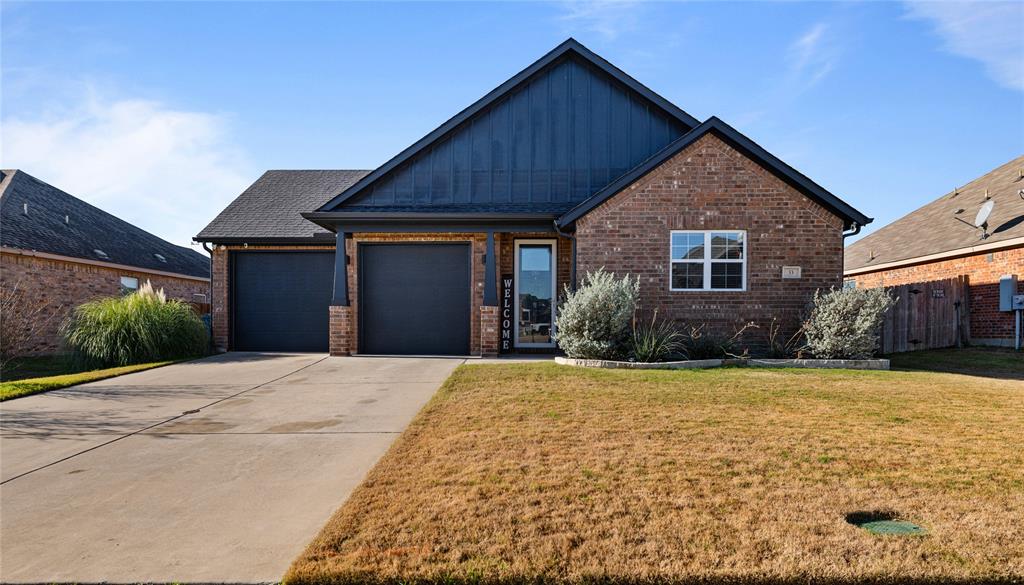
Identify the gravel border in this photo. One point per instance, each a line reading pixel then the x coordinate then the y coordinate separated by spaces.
pixel 875 364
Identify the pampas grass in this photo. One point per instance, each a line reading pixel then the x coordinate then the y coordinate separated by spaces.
pixel 138 328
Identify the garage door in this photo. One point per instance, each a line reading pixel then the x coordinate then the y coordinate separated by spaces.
pixel 281 300
pixel 414 299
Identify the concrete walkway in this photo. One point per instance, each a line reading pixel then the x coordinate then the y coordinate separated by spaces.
pixel 218 470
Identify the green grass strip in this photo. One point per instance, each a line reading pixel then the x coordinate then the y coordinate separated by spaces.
pixel 19 388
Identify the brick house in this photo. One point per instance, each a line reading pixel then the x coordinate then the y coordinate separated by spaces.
pixel 58 252
pixel 939 241
pixel 461 243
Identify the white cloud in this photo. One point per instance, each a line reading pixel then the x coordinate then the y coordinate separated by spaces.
pixel 812 56
pixel 608 18
pixel 165 170
pixel 989 32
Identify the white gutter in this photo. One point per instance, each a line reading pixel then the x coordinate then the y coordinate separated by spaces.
pixel 1011 243
pixel 112 265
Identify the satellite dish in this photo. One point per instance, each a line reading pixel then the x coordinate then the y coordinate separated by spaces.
pixel 981 220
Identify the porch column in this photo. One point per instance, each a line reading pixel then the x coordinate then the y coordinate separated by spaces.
pixel 340 273
pixel 490 273
pixel 340 313
pixel 489 309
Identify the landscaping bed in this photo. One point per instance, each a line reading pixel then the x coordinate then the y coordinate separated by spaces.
pixel 872 364
pixel 531 473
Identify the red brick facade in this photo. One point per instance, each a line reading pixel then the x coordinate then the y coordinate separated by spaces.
pixel 711 186
pixel 988 325
pixel 707 186
pixel 59 285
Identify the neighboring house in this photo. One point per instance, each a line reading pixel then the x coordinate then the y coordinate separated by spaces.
pixel 462 243
pixel 938 241
pixel 59 252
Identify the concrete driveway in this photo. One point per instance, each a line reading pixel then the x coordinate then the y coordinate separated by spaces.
pixel 219 470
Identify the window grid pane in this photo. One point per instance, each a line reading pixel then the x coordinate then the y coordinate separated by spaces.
pixel 726 275
pixel 688 275
pixel 727 245
pixel 688 246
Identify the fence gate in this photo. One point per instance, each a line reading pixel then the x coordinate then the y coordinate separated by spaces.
pixel 928 315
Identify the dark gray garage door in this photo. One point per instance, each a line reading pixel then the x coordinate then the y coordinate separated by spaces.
pixel 414 299
pixel 281 300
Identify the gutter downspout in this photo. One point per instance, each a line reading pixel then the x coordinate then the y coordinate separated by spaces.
pixel 856 230
pixel 572 264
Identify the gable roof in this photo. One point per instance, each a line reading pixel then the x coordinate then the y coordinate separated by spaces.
pixel 935 229
pixel 269 210
pixel 677 120
pixel 741 143
pixel 40 217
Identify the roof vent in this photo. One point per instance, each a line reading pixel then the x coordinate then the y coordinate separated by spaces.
pixel 24 208
pixel 101 254
pixel 160 257
pixel 67 220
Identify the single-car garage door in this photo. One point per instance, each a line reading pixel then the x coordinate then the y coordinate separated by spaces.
pixel 414 299
pixel 281 300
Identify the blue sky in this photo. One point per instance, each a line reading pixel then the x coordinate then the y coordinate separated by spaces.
pixel 163 112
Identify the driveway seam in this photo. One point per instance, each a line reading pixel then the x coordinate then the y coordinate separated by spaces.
pixel 173 418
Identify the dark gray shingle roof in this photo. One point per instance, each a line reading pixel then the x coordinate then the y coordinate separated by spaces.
pixel 934 228
pixel 270 208
pixel 87 229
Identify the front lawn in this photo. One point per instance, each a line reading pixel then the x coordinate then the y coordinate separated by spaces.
pixel 542 473
pixel 973 361
pixel 25 387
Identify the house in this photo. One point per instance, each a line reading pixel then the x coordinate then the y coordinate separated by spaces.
pixel 462 242
pixel 57 251
pixel 940 241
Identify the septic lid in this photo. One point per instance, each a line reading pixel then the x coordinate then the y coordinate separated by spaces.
pixel 892 527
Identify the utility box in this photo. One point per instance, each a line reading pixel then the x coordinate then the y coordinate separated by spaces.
pixel 1007 290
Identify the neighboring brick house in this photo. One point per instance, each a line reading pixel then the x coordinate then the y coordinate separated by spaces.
pixel 938 241
pixel 58 251
pixel 462 243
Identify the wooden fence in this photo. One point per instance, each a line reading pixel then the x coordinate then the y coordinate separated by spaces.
pixel 928 315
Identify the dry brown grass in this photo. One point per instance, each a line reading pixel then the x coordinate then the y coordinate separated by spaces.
pixel 542 473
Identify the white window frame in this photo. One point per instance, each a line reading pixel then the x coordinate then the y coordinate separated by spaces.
pixel 707 261
pixel 554 290
pixel 125 289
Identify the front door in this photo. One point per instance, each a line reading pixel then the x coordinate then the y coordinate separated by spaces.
pixel 535 293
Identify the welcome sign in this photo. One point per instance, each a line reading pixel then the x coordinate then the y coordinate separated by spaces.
pixel 506 313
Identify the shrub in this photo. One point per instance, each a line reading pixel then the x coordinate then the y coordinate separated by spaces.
pixel 844 323
pixel 781 347
pixel 656 341
pixel 702 345
pixel 23 319
pixel 138 328
pixel 594 321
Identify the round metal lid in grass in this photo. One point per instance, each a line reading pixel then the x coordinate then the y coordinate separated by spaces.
pixel 885 523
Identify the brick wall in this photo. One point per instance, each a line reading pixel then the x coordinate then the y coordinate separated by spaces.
pixel 708 186
pixel 58 286
pixel 988 325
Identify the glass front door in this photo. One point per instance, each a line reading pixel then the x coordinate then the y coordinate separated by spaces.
pixel 535 293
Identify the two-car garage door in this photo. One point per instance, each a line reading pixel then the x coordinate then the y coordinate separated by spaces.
pixel 413 299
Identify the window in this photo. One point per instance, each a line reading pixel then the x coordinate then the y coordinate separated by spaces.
pixel 849 283
pixel 129 284
pixel 712 260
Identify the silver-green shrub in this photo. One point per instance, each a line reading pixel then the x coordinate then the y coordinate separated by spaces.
pixel 594 322
pixel 845 323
